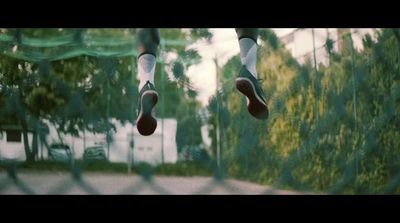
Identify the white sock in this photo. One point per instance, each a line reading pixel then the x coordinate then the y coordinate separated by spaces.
pixel 248 54
pixel 146 69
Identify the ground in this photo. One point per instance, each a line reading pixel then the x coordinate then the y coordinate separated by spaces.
pixel 45 182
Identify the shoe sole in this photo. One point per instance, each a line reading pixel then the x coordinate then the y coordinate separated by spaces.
pixel 146 123
pixel 255 105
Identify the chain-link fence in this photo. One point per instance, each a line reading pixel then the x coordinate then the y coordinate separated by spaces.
pixel 332 127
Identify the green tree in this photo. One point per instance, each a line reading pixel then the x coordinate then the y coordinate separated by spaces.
pixel 330 129
pixel 78 92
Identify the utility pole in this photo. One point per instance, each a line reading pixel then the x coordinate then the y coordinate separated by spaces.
pixel 130 152
pixel 353 71
pixel 217 115
pixel 315 81
pixel 162 103
pixel 108 115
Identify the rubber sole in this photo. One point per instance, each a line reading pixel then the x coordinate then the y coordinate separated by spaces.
pixel 255 105
pixel 146 124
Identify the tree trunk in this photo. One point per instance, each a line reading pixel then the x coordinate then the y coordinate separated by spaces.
pixel 28 153
pixel 23 119
pixel 59 136
pixel 43 140
pixel 35 139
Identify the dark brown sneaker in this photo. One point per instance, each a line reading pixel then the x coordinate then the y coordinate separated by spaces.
pixel 248 85
pixel 146 124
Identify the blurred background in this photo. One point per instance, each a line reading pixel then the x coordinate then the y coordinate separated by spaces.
pixel 68 101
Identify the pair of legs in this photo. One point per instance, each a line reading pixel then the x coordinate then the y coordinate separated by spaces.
pixel 148 41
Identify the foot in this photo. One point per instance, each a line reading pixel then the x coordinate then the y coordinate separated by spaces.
pixel 148 97
pixel 248 85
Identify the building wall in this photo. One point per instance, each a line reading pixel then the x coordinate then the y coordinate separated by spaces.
pixel 300 42
pixel 146 148
pixel 149 148
pixel 13 150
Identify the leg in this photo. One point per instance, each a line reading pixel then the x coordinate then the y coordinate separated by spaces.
pixel 248 48
pixel 247 82
pixel 147 46
pixel 148 41
pixel 251 33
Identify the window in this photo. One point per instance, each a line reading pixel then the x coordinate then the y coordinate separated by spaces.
pixel 13 136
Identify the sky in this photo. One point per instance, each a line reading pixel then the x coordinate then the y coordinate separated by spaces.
pixel 224 45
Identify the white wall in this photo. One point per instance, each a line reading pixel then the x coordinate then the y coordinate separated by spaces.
pixel 148 148
pixel 119 148
pixel 13 150
pixel 302 44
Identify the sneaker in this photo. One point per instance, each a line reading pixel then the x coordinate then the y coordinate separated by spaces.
pixel 248 85
pixel 146 123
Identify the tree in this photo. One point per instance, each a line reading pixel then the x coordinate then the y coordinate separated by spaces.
pixel 331 129
pixel 77 92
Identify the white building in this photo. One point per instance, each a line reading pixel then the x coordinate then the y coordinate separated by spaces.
pixel 151 149
pixel 156 148
pixel 11 144
pixel 300 41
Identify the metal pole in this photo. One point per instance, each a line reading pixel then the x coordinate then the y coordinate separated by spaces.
pixel 130 153
pixel 108 115
pixel 131 157
pixel 162 103
pixel 41 150
pixel 315 77
pixel 73 151
pixel 129 161
pixel 84 139
pixel 354 99
pixel 217 115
